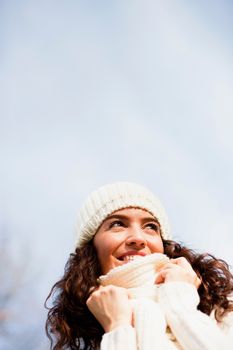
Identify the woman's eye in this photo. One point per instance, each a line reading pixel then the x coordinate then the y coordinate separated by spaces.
pixel 116 223
pixel 153 227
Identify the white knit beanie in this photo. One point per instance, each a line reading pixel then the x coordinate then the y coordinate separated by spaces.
pixel 107 199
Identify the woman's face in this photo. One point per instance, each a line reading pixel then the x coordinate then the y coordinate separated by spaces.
pixel 126 235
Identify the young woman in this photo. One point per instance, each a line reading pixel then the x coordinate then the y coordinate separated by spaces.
pixel 129 286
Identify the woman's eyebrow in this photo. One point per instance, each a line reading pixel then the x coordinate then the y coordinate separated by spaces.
pixel 125 217
pixel 116 216
pixel 150 219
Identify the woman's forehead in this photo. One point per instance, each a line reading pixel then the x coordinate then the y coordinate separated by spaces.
pixel 133 211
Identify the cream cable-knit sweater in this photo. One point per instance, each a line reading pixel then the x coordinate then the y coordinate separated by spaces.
pixel 166 316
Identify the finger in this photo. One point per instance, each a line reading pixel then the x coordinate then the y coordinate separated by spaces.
pixel 167 266
pixel 160 277
pixel 197 282
pixel 91 290
pixel 182 262
pixel 94 289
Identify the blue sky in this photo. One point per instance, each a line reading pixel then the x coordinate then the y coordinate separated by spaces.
pixel 99 92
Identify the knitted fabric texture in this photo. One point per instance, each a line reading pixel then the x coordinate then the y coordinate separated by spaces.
pixel 149 321
pixel 107 199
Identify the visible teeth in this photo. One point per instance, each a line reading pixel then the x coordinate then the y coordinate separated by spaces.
pixel 131 257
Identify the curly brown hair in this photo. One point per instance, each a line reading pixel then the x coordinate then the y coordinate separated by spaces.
pixel 70 324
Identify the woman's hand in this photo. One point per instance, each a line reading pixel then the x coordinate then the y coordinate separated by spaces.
pixel 178 270
pixel 111 307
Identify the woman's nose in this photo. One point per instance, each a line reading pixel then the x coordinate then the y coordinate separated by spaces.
pixel 136 239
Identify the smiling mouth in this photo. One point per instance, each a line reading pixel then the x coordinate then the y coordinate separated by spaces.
pixel 131 257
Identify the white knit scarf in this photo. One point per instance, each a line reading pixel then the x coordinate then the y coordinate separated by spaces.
pixel 149 321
